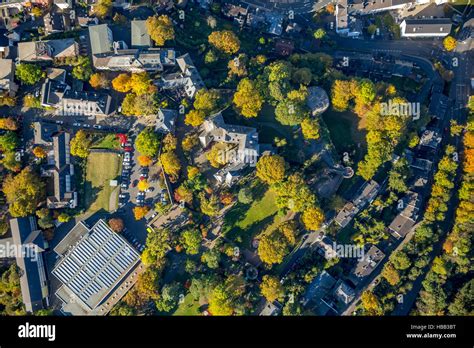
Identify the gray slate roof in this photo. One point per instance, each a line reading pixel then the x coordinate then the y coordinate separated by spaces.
pixel 32 273
pixel 140 37
pixel 99 37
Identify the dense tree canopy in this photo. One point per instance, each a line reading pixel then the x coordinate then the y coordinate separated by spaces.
pixel 271 288
pixel 160 29
pixel 247 98
pixel 271 168
pixel 148 142
pixel 225 41
pixel 29 73
pixel 23 192
pixel 80 144
pixel 274 246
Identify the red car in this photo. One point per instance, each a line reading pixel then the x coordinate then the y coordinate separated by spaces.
pixel 128 149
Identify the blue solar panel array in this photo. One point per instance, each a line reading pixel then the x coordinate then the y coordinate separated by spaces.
pixel 96 263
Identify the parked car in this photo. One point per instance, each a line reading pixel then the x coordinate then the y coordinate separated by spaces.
pixel 76 124
pixel 85 125
pixel 96 126
pixel 128 149
pixel 124 185
pixel 60 122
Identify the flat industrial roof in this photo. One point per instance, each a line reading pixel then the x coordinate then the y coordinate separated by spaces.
pixel 96 264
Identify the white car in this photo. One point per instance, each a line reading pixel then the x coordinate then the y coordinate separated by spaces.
pixel 59 122
pixel 76 124
pixel 85 125
pixel 96 126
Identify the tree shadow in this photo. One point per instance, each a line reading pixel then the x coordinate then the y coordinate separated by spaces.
pixel 90 194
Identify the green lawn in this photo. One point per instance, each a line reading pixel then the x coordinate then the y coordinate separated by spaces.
pixel 101 168
pixel 188 307
pixel 244 222
pixel 110 141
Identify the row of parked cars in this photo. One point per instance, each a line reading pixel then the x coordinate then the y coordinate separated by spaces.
pixel 126 172
pixel 133 241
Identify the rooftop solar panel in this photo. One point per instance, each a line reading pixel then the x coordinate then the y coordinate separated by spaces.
pixel 93 266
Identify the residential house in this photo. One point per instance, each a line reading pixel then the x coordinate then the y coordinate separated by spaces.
pixel 436 27
pixel 431 139
pixel 9 11
pixel 243 153
pixel 47 51
pixel 275 23
pixel 166 121
pixel 409 207
pixel 236 12
pixel 344 293
pixel 56 23
pixel 317 101
pixel 377 6
pixel 326 247
pixel 284 47
pixel 5 43
pixel 65 196
pixel 188 79
pixel 63 4
pixel 7 74
pixel 365 196
pixel 346 24
pixel 367 264
pixel 271 309
pixel 28 240
pixel 75 103
pixel 317 292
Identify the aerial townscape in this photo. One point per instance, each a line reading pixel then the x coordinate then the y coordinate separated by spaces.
pixel 236 158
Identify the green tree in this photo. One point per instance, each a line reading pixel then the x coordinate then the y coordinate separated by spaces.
pixel 274 246
pixel 80 144
pixel 102 8
pixel 271 288
pixel 158 243
pixel 290 112
pixel 245 195
pixel 247 98
pixel 211 258
pixel 319 34
pixel 225 41
pixel 29 73
pixel 160 29
pixel 147 142
pixel 191 240
pixel 82 68
pixel 294 194
pixel 8 141
pixel 271 168
pixel 398 176
pixel 23 192
pixel 169 297
pixel 310 128
pixel 209 206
